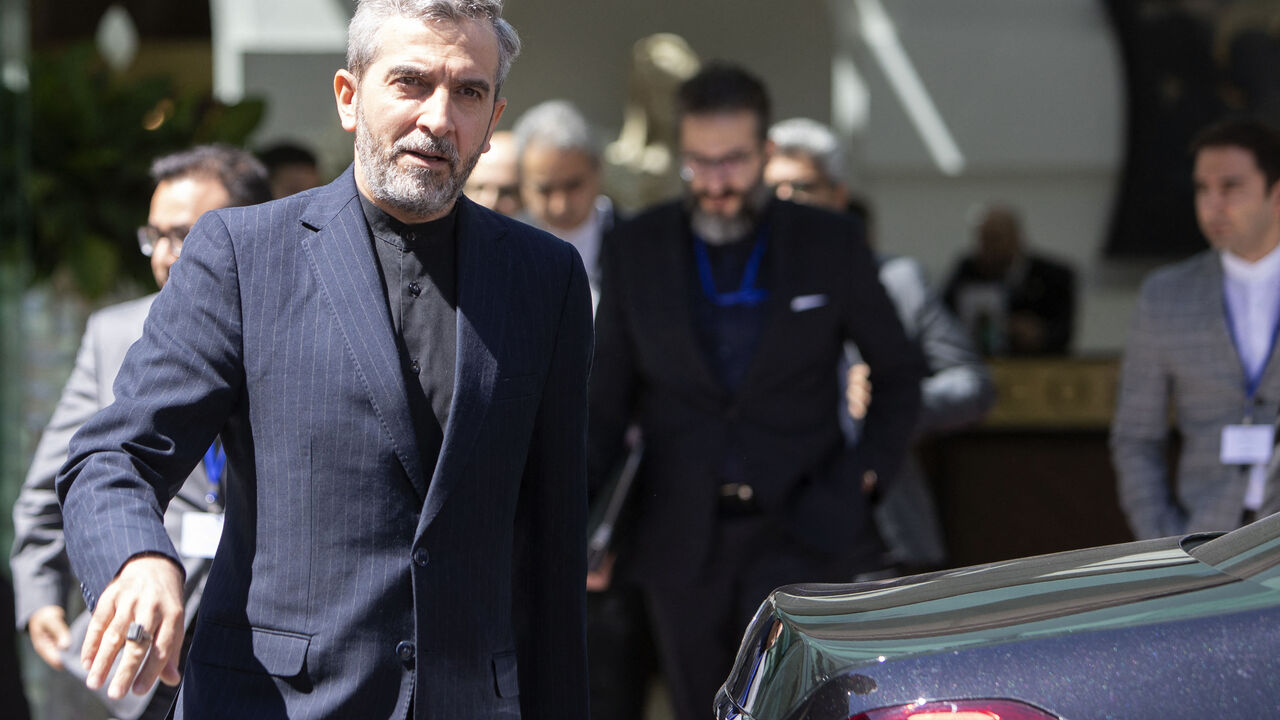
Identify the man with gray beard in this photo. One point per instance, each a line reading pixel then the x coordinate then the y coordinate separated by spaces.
pixel 721 320
pixel 399 379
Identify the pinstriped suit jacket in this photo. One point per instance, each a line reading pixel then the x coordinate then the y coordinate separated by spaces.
pixel 348 582
pixel 1180 355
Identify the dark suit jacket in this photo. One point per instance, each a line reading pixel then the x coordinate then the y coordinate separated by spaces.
pixel 782 421
pixel 1045 289
pixel 348 581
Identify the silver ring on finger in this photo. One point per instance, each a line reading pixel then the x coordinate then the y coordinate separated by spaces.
pixel 138 634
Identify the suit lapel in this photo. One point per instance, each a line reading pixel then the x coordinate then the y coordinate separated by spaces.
pixel 485 278
pixel 341 256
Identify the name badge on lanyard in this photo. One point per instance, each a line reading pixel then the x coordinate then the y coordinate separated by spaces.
pixel 1247 444
pixel 200 534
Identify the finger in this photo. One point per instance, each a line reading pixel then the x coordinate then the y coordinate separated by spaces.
pixel 596 582
pixel 164 652
pixel 857 404
pixel 61 634
pixel 47 648
pixel 859 370
pixel 98 623
pixel 860 394
pixel 133 656
pixel 110 645
pixel 170 675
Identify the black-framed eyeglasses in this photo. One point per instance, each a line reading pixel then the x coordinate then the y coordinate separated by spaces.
pixel 149 236
pixel 693 164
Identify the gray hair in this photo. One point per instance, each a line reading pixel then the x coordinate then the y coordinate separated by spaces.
pixel 556 124
pixel 802 136
pixel 362 33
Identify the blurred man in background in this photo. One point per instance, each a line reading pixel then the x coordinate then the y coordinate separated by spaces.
pixel 291 168
pixel 560 180
pixel 807 166
pixel 495 180
pixel 1014 301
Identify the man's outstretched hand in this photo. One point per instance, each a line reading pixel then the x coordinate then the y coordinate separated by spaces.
pixel 148 591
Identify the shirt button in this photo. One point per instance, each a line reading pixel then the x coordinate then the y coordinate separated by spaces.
pixel 415 289
pixel 421 557
pixel 405 651
pixel 413 365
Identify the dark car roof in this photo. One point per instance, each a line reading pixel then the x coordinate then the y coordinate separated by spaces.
pixel 806 634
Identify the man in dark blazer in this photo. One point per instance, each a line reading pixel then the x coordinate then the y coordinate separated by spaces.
pixel 1014 301
pixel 721 321
pixel 399 377
pixel 188 184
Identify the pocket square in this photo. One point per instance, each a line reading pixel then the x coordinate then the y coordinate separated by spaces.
pixel 800 303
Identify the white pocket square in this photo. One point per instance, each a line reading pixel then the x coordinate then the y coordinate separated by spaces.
pixel 800 303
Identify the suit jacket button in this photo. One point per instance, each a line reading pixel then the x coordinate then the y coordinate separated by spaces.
pixel 405 651
pixel 421 557
pixel 415 289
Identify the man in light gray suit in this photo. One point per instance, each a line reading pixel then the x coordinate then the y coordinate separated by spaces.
pixel 807 166
pixel 188 184
pixel 1202 344
pixel 399 377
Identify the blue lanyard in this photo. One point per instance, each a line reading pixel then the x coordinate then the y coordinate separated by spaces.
pixel 747 294
pixel 215 459
pixel 1251 381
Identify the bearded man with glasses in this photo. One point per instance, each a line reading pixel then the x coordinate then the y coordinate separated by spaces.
pixel 721 320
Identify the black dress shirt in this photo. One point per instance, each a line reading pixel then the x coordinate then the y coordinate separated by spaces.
pixel 419 276
pixel 729 334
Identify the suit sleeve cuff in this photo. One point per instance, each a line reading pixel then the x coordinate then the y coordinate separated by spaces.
pixel 31 594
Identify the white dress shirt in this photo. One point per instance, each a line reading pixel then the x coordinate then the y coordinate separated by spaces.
pixel 586 239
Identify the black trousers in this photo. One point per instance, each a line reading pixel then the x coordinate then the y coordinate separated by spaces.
pixel 700 623
pixel 621 658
